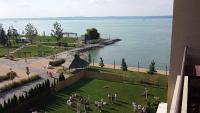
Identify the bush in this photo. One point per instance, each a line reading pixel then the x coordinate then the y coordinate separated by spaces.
pixel 58 62
pixel 101 64
pixel 62 44
pixel 61 77
pixel 123 65
pixel 152 105
pixel 9 76
pixel 11 57
pixel 19 83
pixel 2 55
pixel 152 68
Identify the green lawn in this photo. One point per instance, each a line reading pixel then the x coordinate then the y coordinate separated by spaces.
pixel 52 39
pixel 95 90
pixel 4 50
pixel 44 41
pixel 135 77
pixel 38 50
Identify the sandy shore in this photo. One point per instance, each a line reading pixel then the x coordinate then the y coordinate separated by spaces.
pixel 144 70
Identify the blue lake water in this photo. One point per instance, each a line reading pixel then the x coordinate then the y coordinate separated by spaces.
pixel 143 39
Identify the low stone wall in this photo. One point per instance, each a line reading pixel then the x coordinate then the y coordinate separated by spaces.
pixel 88 74
pixel 69 81
pixel 103 76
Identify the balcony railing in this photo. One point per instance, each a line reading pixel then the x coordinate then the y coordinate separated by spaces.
pixel 180 91
pixel 186 97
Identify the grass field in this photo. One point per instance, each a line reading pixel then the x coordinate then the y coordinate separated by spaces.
pixel 4 50
pixel 44 41
pixel 95 90
pixel 135 77
pixel 52 39
pixel 38 51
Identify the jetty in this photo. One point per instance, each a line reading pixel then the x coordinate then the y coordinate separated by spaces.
pixel 110 41
pixel 95 46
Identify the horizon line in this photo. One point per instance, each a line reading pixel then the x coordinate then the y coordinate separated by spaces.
pixel 86 17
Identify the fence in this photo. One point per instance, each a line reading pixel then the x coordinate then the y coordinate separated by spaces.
pixel 138 67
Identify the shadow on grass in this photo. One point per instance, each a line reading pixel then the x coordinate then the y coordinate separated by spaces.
pixel 137 83
pixel 119 101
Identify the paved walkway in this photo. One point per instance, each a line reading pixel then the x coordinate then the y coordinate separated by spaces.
pixel 36 67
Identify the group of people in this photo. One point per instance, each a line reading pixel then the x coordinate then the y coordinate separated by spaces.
pixel 138 108
pixel 78 100
pixel 112 97
pixel 99 104
pixel 49 73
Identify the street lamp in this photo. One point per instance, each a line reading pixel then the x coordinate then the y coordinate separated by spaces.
pixel 10 73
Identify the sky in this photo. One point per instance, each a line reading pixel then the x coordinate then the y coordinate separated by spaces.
pixel 71 8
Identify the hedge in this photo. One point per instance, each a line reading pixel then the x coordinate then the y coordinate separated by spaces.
pixel 23 103
pixel 21 82
pixel 9 76
pixel 58 62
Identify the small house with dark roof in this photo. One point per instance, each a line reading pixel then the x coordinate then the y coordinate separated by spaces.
pixel 78 63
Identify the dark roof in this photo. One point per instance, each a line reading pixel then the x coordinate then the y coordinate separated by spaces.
pixel 78 63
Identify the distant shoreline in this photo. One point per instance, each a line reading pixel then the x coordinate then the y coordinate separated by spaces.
pixel 90 18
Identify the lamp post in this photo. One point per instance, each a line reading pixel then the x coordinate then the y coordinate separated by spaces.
pixel 27 71
pixel 10 73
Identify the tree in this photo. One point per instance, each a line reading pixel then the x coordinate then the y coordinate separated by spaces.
pixel 152 68
pixel 61 77
pixel 101 64
pixel 27 71
pixel 89 58
pixel 123 65
pixel 30 31
pixel 12 32
pixel 1 108
pixel 92 34
pixel 14 100
pixel 3 37
pixel 44 34
pixel 9 35
pixel 57 32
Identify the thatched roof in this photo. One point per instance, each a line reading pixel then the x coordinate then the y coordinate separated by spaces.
pixel 78 63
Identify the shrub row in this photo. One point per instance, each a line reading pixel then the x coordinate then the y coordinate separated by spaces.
pixel 9 76
pixel 58 62
pixel 21 82
pixel 16 104
pixel 62 44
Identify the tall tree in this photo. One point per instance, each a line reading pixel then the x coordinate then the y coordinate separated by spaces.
pixel 30 31
pixel 9 36
pixel 101 64
pixel 57 32
pixel 123 65
pixel 12 31
pixel 92 34
pixel 152 68
pixel 3 37
pixel 89 58
pixel 61 77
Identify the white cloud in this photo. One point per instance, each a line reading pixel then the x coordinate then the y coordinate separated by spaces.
pixel 51 8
